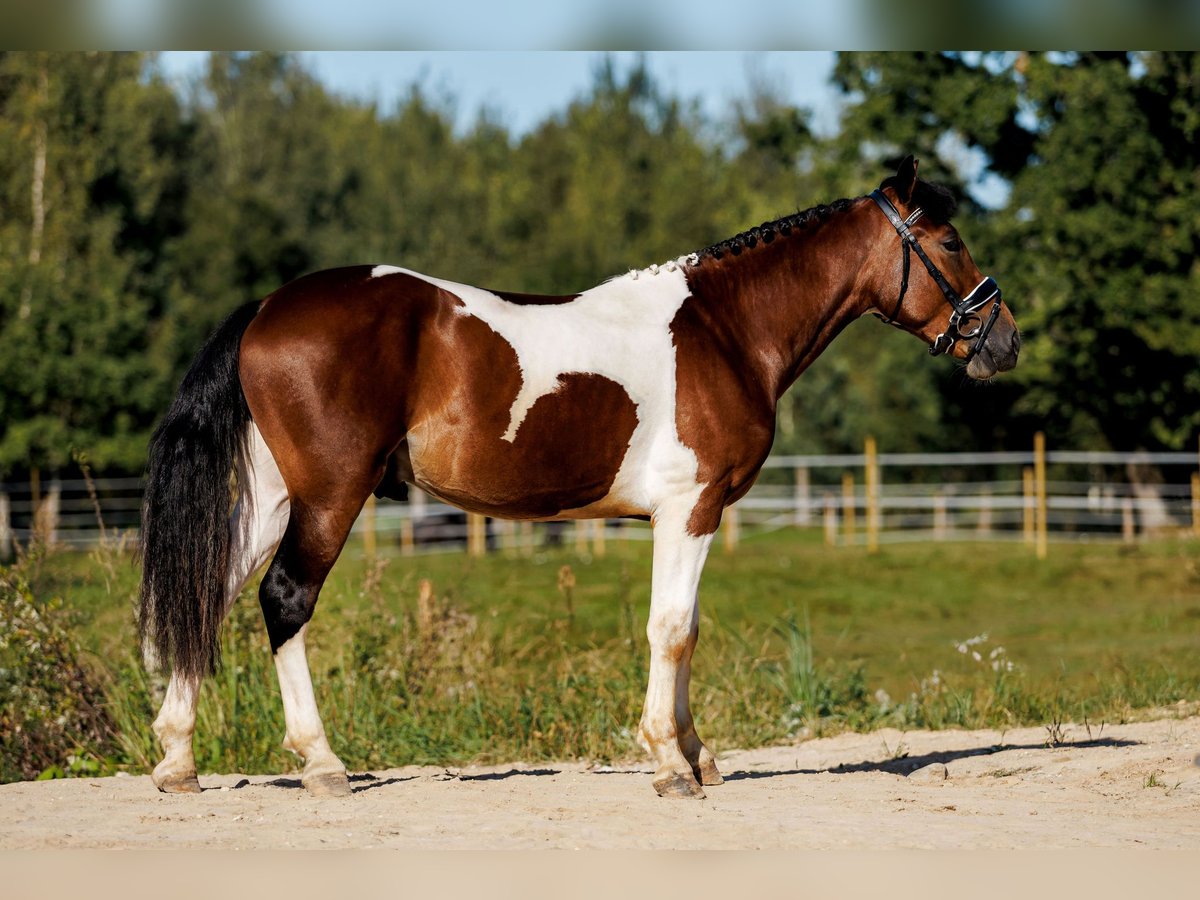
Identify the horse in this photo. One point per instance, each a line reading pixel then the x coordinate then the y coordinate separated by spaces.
pixel 652 395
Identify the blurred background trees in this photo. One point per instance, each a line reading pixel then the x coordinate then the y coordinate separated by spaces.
pixel 132 218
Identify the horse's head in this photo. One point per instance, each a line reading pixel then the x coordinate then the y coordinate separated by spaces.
pixel 940 295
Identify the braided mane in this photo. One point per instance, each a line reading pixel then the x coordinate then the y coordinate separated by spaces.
pixel 768 231
pixel 938 203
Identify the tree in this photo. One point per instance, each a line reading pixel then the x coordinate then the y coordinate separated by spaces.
pixel 90 190
pixel 1096 246
pixel 621 179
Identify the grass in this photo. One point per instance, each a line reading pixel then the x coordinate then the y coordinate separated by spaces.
pixel 519 659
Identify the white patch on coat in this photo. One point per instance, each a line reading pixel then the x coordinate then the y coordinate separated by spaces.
pixel 260 515
pixel 619 330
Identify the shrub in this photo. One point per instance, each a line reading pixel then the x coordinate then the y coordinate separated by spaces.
pixel 52 717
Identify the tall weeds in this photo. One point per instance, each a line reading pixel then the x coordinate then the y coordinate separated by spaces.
pixel 413 671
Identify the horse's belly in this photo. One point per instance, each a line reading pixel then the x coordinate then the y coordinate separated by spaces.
pixel 565 455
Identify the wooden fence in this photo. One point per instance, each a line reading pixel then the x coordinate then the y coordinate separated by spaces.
pixel 1038 497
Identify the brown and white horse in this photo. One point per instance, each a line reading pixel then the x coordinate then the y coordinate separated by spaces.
pixel 652 395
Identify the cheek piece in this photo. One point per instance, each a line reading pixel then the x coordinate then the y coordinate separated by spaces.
pixel 966 322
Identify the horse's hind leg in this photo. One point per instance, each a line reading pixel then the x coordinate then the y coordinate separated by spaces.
pixel 176 772
pixel 257 524
pixel 310 546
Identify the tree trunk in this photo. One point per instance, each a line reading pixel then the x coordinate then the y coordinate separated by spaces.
pixel 37 192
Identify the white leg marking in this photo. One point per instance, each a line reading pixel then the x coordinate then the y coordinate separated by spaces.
pixel 674 613
pixel 305 732
pixel 174 726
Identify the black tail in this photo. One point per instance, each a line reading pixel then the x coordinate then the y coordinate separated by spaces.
pixel 186 506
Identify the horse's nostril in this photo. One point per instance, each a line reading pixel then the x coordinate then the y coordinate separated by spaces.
pixel 1016 342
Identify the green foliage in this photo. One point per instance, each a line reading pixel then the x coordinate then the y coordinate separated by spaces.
pixel 136 217
pixel 53 720
pixel 87 182
pixel 1096 246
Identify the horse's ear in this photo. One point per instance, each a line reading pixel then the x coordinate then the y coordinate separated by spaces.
pixel 906 179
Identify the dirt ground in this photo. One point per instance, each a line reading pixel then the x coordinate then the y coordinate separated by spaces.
pixel 1125 786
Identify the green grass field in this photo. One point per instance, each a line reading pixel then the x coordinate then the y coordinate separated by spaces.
pixel 796 638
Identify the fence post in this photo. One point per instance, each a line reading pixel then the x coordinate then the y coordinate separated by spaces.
pixel 731 526
pixel 368 520
pixel 599 547
pixel 939 516
pixel 1196 495
pixel 417 506
pixel 407 537
pixel 1128 526
pixel 502 530
pixel 831 519
pixel 800 497
pixel 848 507
pixel 476 534
pixel 46 513
pixel 1027 505
pixel 1039 478
pixel 871 476
pixel 985 511
pixel 526 538
pixel 6 536
pixel 1195 507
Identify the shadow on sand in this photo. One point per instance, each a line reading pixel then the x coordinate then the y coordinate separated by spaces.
pixel 909 764
pixel 364 781
pixel 511 773
pixel 905 765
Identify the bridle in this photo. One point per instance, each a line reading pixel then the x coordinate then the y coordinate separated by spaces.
pixel 966 309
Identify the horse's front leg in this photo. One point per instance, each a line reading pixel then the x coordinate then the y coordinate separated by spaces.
pixel 701 759
pixel 671 629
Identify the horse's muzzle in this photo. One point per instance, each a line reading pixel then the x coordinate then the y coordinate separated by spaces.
pixel 998 354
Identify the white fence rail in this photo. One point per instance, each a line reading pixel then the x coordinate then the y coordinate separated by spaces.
pixel 862 498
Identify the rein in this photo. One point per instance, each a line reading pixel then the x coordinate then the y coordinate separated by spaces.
pixel 966 309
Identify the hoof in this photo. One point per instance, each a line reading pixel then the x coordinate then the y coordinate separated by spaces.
pixel 329 784
pixel 678 787
pixel 707 773
pixel 181 783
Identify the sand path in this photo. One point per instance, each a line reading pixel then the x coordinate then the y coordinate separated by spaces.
pixel 1127 786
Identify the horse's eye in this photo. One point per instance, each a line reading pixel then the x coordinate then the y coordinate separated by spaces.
pixel 952 245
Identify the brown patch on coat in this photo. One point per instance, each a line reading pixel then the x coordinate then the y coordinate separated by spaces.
pixel 566 452
pixel 377 381
pixel 721 412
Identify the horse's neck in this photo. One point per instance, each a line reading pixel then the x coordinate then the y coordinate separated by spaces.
pixel 782 303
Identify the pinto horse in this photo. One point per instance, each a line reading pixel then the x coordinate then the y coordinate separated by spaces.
pixel 651 395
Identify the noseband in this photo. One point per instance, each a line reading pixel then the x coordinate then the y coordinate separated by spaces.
pixel 966 309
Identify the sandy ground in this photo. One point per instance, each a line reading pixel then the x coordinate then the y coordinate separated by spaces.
pixel 1128 786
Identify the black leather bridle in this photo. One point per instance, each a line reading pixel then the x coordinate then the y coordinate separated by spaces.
pixel 966 309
